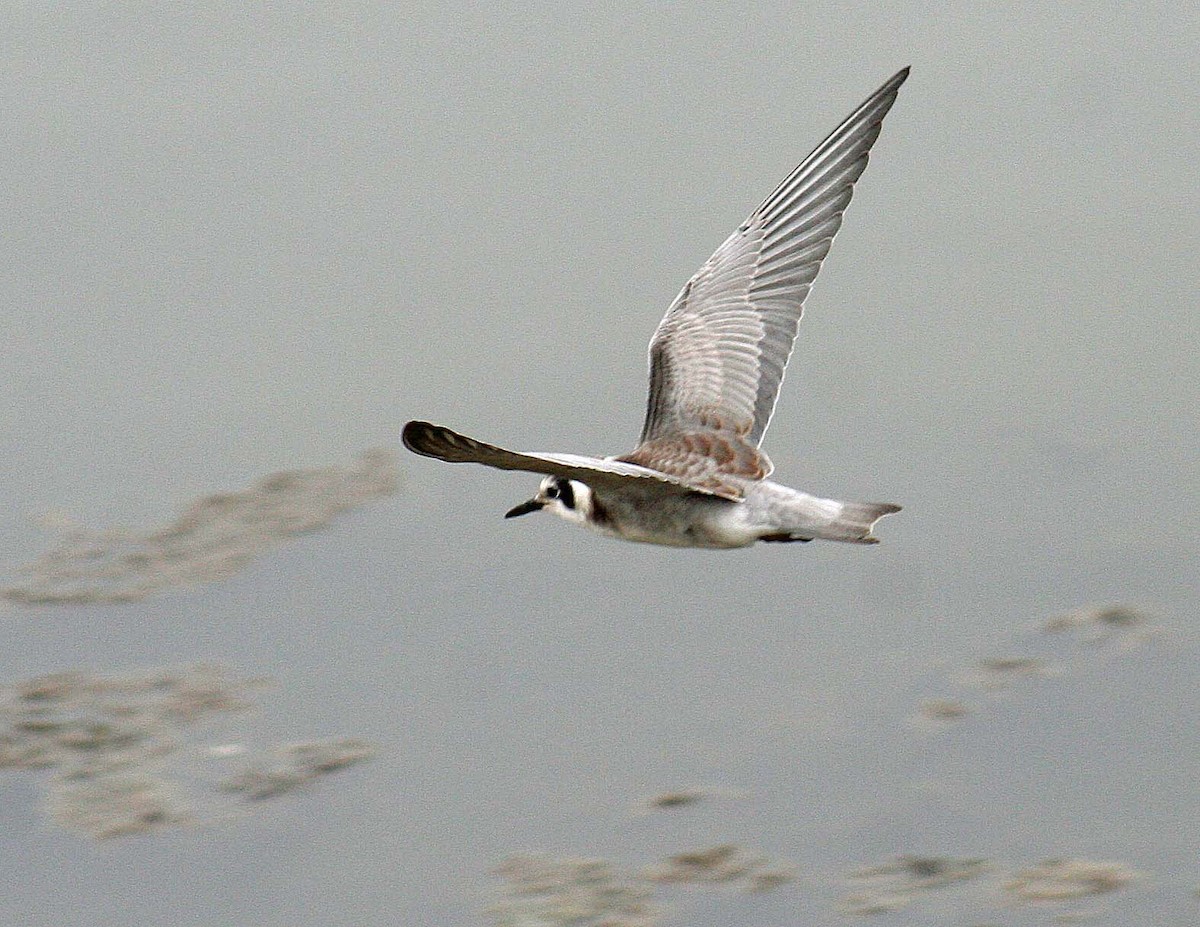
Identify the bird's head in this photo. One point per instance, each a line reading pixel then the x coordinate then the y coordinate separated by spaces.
pixel 568 499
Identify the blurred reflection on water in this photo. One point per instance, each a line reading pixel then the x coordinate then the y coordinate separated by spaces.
pixel 115 746
pixel 214 537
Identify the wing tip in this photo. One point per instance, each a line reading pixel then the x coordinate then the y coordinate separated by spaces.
pixel 412 432
pixel 888 91
pixel 426 438
pixel 893 83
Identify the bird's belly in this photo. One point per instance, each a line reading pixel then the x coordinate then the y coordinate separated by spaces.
pixel 675 521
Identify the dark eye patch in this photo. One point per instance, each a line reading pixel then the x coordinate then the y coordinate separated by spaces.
pixel 567 494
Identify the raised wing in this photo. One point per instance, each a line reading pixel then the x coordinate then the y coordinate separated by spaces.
pixel 718 356
pixel 443 444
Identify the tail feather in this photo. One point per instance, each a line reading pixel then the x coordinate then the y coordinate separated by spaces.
pixel 856 521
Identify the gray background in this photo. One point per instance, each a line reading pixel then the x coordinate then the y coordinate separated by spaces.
pixel 236 242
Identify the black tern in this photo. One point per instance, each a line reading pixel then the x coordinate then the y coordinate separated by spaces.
pixel 698 477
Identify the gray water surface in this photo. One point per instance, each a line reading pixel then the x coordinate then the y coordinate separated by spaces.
pixel 238 243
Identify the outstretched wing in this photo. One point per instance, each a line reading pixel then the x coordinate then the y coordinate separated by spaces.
pixel 443 444
pixel 718 356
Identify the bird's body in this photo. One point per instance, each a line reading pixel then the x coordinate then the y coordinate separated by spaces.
pixel 698 477
pixel 767 512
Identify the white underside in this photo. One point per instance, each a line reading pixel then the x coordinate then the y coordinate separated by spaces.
pixel 769 509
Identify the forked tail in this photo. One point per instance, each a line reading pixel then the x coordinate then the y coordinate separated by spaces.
pixel 856 521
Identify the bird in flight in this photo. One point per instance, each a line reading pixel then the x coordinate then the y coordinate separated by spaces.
pixel 698 477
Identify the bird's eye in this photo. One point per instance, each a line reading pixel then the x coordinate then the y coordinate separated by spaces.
pixel 552 491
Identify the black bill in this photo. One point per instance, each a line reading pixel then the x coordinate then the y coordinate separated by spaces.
pixel 525 508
